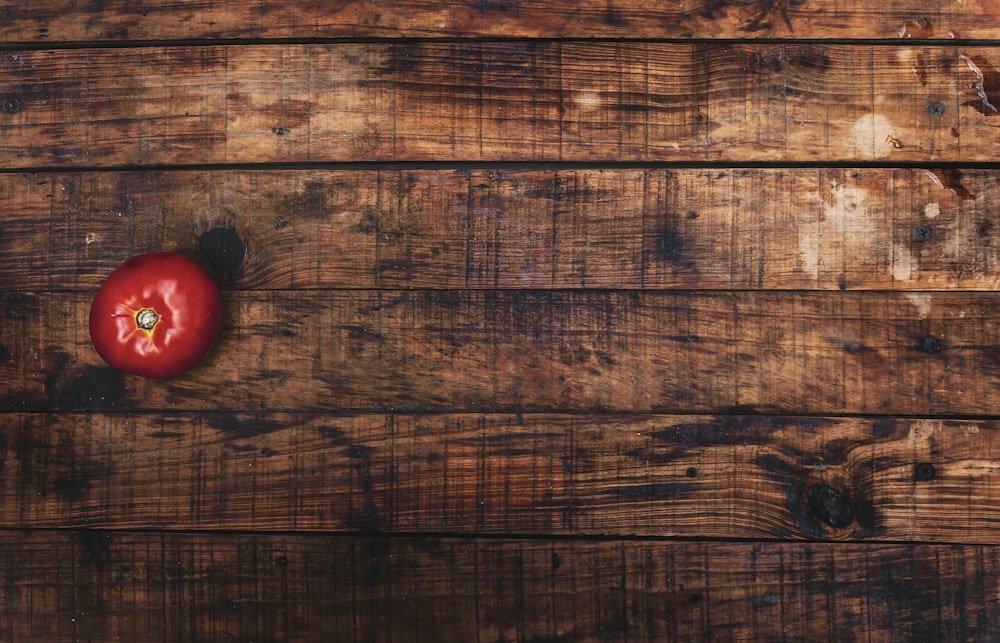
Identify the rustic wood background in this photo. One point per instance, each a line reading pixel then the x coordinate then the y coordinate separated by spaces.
pixel 544 321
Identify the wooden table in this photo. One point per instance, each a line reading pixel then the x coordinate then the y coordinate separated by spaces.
pixel 593 320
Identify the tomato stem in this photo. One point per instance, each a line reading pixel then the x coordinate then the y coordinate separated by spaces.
pixel 146 319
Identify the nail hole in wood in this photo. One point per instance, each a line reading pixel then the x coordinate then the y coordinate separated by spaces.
pixel 931 345
pixel 11 104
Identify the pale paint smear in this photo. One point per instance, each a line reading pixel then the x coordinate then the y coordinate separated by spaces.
pixel 872 137
pixel 921 430
pixel 847 228
pixel 904 264
pixel 932 210
pixel 844 211
pixel 588 100
pixel 921 301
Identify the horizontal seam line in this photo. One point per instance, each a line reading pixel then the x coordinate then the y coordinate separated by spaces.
pixel 44 45
pixel 528 165
pixel 498 536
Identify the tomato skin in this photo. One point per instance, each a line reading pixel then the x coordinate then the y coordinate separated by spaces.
pixel 187 309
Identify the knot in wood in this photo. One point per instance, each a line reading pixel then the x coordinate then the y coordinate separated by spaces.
pixel 829 506
pixel 225 250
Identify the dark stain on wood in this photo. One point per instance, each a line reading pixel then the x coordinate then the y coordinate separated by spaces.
pixel 370 222
pixel 375 561
pixel 495 6
pixel 861 477
pixel 838 450
pixel 229 604
pixel 237 426
pixel 780 469
pixel 224 250
pixel 95 549
pixel 240 448
pixel 73 388
pixel 720 431
pixel 986 86
pixel 513 443
pixel 362 334
pixel 884 428
pixel 759 14
pixel 727 430
pixel 74 485
pixel 313 201
pixel 652 491
pixel 359 452
pixel 670 245
pixel 829 506
pixel 951 179
pixel 166 435
pixel 984 230
pixel 15 306
pixel 613 17
pixel 366 513
pixel 809 58
pixel 334 435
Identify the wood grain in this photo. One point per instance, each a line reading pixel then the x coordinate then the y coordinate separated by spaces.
pixel 504 100
pixel 649 229
pixel 120 20
pixel 696 477
pixel 152 586
pixel 782 352
pixel 546 322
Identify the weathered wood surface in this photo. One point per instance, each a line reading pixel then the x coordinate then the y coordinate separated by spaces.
pixel 246 587
pixel 505 100
pixel 720 228
pixel 780 352
pixel 726 477
pixel 522 347
pixel 52 21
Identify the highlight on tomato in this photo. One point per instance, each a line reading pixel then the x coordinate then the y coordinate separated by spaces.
pixel 157 315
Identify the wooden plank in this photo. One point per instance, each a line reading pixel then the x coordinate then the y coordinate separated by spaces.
pixel 120 20
pixel 780 352
pixel 151 586
pixel 856 229
pixel 705 477
pixel 506 100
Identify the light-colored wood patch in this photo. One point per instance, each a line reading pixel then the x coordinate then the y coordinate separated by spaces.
pixel 873 136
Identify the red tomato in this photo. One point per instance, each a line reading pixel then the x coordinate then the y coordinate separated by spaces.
pixel 156 315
